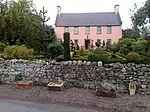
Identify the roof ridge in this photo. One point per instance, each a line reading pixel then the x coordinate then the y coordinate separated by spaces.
pixel 87 12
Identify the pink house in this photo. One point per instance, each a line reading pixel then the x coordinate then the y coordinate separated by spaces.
pixel 87 28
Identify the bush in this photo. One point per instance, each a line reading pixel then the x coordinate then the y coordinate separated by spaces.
pixel 126 41
pixel 2 47
pixel 123 46
pixel 121 55
pixel 114 48
pixel 86 52
pixel 59 58
pixel 99 51
pixel 145 59
pixel 116 58
pixel 54 50
pixel 98 57
pixel 113 55
pixel 81 52
pixel 76 58
pixel 124 49
pixel 18 52
pixel 138 48
pixel 133 57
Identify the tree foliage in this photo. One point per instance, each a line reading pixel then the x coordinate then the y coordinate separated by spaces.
pixel 141 19
pixel 20 23
pixel 66 37
pixel 130 33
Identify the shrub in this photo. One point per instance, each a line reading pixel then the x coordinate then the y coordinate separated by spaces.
pixel 2 47
pixel 145 59
pixel 126 41
pixel 98 57
pixel 59 58
pixel 123 46
pixel 66 37
pixel 81 52
pixel 121 55
pixel 98 51
pixel 54 50
pixel 113 55
pixel 114 60
pixel 114 48
pixel 86 52
pixel 133 57
pixel 76 58
pixel 18 52
pixel 138 48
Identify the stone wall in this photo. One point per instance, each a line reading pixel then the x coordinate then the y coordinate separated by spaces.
pixel 80 74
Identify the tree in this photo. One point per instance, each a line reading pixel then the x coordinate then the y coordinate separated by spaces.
pixel 48 33
pixel 66 46
pixel 141 19
pixel 20 23
pixel 43 18
pixel 131 33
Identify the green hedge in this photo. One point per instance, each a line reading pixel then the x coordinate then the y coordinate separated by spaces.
pixel 75 58
pixel 99 51
pixel 98 57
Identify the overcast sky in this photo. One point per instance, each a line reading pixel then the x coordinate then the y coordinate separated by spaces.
pixel 79 6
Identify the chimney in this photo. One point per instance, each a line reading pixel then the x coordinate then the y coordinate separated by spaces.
pixel 58 10
pixel 116 8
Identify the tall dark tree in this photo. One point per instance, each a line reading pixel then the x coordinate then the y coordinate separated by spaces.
pixel 48 33
pixel 43 13
pixel 66 37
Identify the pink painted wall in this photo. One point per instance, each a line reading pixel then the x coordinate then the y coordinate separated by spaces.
pixel 114 36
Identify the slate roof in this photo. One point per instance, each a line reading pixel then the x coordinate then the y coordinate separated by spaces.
pixel 85 19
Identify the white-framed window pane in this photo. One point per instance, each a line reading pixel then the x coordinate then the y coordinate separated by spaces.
pixel 87 30
pixel 66 29
pixel 76 30
pixel 108 29
pixel 99 29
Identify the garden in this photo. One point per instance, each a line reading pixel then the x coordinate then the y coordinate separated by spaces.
pixel 125 51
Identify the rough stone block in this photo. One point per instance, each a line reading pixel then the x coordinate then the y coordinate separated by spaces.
pixel 104 93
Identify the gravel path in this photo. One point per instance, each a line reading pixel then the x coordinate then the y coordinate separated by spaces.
pixel 79 97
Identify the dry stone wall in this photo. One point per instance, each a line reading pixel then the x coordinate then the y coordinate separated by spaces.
pixel 80 74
